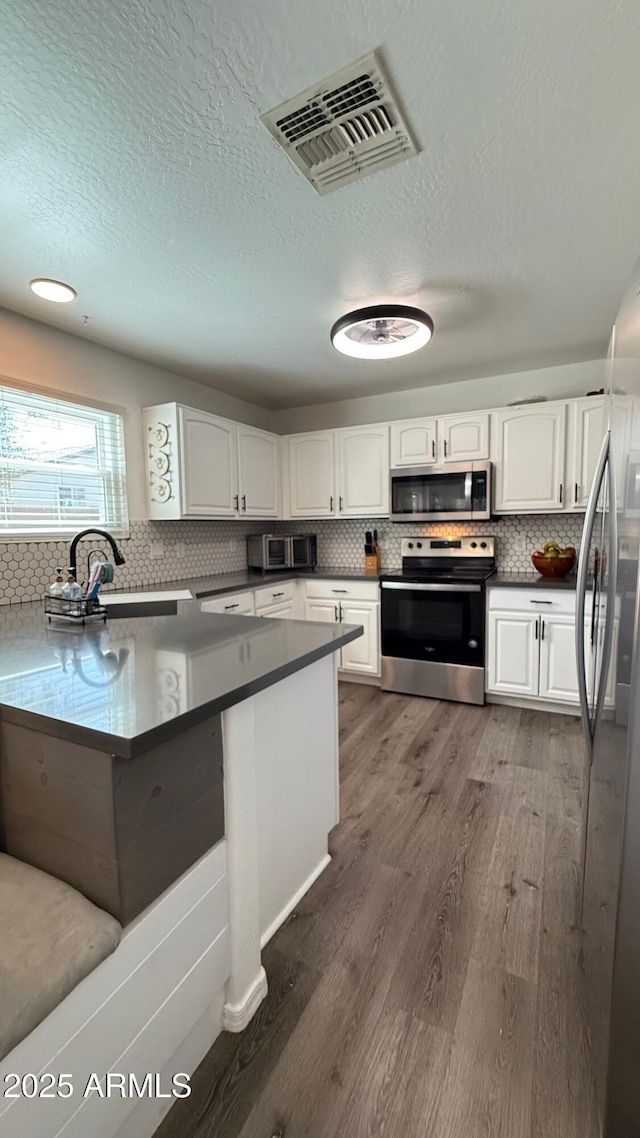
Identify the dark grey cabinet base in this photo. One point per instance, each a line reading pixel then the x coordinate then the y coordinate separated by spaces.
pixel 119 830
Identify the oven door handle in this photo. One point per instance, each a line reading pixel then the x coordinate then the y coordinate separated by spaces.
pixel 427 587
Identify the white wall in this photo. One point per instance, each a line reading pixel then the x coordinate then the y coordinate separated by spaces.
pixel 46 357
pixel 471 395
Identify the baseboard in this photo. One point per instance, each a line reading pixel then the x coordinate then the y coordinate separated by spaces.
pixel 533 704
pixel 297 897
pixel 352 678
pixel 237 1016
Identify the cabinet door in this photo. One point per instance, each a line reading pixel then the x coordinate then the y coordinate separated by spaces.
pixel 321 610
pixel 513 653
pixel 280 612
pixel 558 671
pixel 361 655
pixel 258 479
pixel 529 452
pixel 209 465
pixel 414 443
pixel 589 423
pixel 363 472
pixel 463 438
pixel 311 475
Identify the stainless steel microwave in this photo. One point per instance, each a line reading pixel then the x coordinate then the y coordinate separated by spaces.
pixel 282 551
pixel 455 492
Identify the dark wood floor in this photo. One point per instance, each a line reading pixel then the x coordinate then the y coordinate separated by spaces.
pixel 430 982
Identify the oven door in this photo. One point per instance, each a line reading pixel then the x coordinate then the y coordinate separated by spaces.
pixel 436 622
pixel 456 492
pixel 300 552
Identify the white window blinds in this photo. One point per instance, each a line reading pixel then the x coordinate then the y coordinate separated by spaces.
pixel 62 467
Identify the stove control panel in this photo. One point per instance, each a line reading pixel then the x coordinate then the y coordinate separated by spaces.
pixel 472 546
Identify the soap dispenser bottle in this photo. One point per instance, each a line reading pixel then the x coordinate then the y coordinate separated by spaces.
pixel 56 587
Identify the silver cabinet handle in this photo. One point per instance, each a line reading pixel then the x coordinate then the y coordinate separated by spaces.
pixel 274 595
pixel 575 494
pixel 331 503
pixel 537 628
pixel 445 449
pixel 339 590
pixel 237 501
pixel 335 609
pixel 244 502
pixel 237 606
pixel 542 631
pixel 340 608
pixel 540 602
pixel 340 502
pixel 433 448
pixel 561 490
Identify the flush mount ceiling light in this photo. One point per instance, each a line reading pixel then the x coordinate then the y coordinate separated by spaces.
pixel 382 331
pixel 52 290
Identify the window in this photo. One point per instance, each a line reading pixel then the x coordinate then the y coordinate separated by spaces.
pixel 62 467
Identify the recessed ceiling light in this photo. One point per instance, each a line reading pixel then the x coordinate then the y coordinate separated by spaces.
pixel 382 331
pixel 52 290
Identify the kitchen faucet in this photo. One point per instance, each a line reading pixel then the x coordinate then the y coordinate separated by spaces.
pixel 73 562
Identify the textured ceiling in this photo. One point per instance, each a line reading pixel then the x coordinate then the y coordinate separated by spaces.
pixel 133 166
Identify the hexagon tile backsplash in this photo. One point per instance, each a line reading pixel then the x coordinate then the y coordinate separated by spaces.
pixel 167 551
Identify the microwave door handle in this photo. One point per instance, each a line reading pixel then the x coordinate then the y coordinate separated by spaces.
pixel 468 489
pixel 581 590
pixel 289 553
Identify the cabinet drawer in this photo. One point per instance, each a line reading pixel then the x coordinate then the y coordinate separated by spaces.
pixel 532 601
pixel 237 604
pixel 341 590
pixel 274 594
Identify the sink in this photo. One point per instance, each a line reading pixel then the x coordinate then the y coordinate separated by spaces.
pixel 164 602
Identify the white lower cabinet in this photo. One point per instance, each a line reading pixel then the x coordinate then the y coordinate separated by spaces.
pixel 531 646
pixel 349 602
pixel 512 654
pixel 284 611
pixel 558 671
pixel 233 604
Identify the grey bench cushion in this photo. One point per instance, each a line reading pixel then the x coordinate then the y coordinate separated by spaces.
pixel 51 937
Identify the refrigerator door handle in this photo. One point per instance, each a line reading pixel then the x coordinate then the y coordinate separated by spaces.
pixel 612 582
pixel 581 589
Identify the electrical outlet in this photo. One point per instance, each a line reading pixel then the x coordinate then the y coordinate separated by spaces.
pixel 520 543
pixel 156 550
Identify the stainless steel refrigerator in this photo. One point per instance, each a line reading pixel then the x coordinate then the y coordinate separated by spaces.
pixel 606 647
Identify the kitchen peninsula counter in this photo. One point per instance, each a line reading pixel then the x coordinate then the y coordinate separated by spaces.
pixel 107 685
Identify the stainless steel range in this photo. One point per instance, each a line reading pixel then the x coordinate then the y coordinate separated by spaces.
pixel 433 618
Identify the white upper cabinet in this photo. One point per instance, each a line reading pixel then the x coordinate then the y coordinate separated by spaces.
pixel 587 426
pixel 258 473
pixel 464 438
pixel 311 470
pixel 362 470
pixel 202 466
pixel 414 442
pixel 208 465
pixel 528 450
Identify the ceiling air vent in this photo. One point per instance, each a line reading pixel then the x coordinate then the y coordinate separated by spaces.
pixel 344 128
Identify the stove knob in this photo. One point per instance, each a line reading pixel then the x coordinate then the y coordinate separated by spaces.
pixel 474 545
pixel 410 545
pixel 473 643
pixel 483 545
pixel 419 544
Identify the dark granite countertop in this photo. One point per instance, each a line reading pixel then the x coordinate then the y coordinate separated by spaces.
pixel 220 583
pixel 126 685
pixel 530 581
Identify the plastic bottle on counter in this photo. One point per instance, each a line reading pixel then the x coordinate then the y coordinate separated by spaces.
pixel 56 587
pixel 71 590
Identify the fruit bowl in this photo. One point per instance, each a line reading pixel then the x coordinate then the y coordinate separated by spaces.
pixel 553 566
